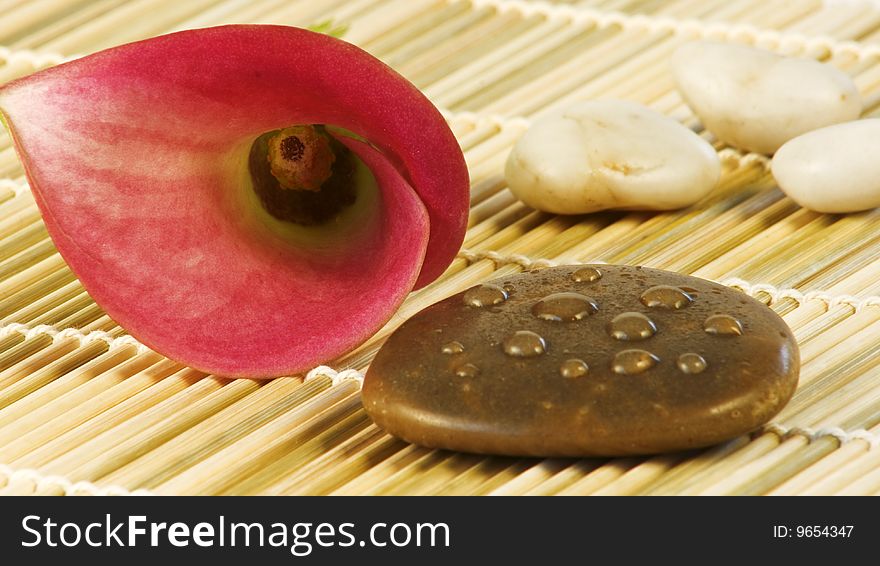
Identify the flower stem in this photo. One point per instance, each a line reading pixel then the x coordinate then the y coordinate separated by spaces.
pixel 301 158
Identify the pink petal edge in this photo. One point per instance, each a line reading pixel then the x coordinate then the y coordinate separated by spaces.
pixel 130 168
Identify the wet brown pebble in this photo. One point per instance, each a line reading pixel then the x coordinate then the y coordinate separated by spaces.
pixel 576 361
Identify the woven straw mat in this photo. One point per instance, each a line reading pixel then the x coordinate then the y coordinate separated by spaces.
pixel 84 409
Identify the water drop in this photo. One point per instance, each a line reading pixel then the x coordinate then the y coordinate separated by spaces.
pixel 665 297
pixel 467 370
pixel 631 326
pixel 723 325
pixel 631 362
pixel 660 409
pixel 524 344
pixel 573 368
pixel 691 363
pixel 485 295
pixel 564 307
pixel 586 275
pixel 452 348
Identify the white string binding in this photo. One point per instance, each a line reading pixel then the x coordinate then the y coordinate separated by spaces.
pixel 752 289
pixel 44 483
pixel 17 188
pixel 33 58
pixel 47 482
pixel 57 335
pixel 686 27
pixel 337 377
pixel 739 159
pixel 521 260
pixel 494 120
pixel 601 19
pixel 782 431
pixel 776 295
pixel 842 436
pixel 728 155
pixel 862 4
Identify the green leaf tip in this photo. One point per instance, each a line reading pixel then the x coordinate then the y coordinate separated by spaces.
pixel 329 27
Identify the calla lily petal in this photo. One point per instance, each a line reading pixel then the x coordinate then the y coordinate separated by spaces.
pixel 138 157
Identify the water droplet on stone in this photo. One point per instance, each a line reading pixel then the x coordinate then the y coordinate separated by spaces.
pixel 586 275
pixel 467 370
pixel 485 295
pixel 452 348
pixel 691 363
pixel 723 325
pixel 564 307
pixel 573 368
pixel 631 326
pixel 631 362
pixel 660 409
pixel 665 297
pixel 524 344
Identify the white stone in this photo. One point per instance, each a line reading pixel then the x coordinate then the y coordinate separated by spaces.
pixel 610 154
pixel 834 169
pixel 757 100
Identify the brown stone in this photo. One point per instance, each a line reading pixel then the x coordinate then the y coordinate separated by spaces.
pixel 559 362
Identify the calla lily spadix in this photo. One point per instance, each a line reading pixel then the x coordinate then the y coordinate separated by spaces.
pixel 248 200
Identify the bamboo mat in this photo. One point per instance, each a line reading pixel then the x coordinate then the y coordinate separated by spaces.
pixel 84 409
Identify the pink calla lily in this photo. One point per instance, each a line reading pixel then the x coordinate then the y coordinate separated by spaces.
pixel 138 157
